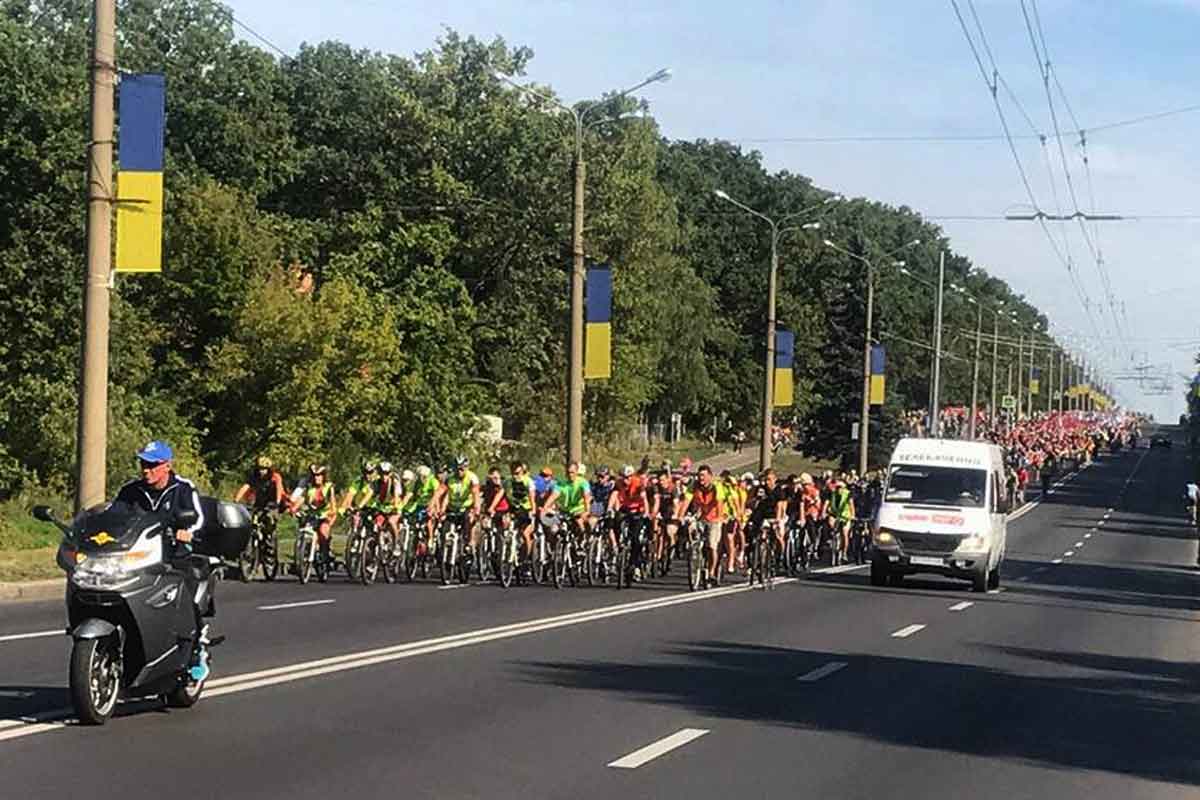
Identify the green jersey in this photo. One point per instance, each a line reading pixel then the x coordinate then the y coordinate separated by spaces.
pixel 462 495
pixel 419 494
pixel 572 496
pixel 520 492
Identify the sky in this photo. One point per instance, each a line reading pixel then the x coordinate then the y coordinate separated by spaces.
pixel 770 74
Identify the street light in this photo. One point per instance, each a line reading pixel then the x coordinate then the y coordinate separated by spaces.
pixel 764 456
pixel 865 413
pixel 575 337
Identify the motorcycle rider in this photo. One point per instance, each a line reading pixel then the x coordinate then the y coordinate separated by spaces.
pixel 161 490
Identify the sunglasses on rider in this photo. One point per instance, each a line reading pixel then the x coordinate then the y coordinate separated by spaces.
pixel 149 466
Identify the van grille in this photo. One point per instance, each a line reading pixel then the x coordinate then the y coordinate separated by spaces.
pixel 934 543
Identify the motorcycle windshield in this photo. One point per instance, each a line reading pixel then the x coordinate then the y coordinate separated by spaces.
pixel 113 526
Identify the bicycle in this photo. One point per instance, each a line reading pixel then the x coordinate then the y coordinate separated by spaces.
pixel 453 563
pixel 377 545
pixel 403 557
pixel 508 553
pixel 307 556
pixel 262 550
pixel 698 550
pixel 542 558
pixel 484 560
pixel 794 555
pixel 860 540
pixel 566 554
pixel 598 552
pixel 762 562
pixel 352 554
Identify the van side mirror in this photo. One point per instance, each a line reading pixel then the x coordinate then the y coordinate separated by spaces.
pixel 186 517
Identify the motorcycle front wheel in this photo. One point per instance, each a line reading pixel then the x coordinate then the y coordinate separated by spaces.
pixel 95 679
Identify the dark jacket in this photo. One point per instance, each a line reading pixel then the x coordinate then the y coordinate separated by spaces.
pixel 178 494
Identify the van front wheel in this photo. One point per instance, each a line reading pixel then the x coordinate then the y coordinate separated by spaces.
pixel 981 579
pixel 993 581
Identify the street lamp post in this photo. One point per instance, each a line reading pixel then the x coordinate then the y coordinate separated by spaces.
pixel 764 454
pixel 935 426
pixel 865 413
pixel 578 274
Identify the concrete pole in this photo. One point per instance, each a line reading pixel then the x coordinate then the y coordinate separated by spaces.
pixel 975 376
pixel 1020 370
pixel 864 420
pixel 1062 378
pixel 764 453
pixel 1029 385
pixel 935 402
pixel 995 363
pixel 92 431
pixel 575 339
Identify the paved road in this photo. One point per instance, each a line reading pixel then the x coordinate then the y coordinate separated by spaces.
pixel 1079 679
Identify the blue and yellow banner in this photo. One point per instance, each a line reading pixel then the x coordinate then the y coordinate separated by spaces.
pixel 142 102
pixel 878 374
pixel 784 393
pixel 1035 380
pixel 597 355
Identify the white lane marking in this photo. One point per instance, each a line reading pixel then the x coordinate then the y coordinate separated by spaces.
pixel 839 569
pixel 1056 561
pixel 1079 544
pixel 907 631
pixel 822 672
pixel 26 729
pixel 456 586
pixel 963 606
pixel 655 749
pixel 996 591
pixel 297 605
pixel 1087 535
pixel 366 658
pixel 1109 514
pixel 1101 522
pixel 12 637
pixel 1068 554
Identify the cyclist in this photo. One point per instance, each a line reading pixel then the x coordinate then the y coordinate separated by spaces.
pixel 264 491
pixel 495 498
pixel 358 493
pixel 460 494
pixel 840 513
pixel 664 496
pixel 545 503
pixel 629 502
pixel 386 497
pixel 521 497
pixel 770 505
pixel 417 502
pixel 733 511
pixel 575 497
pixel 708 502
pixel 316 498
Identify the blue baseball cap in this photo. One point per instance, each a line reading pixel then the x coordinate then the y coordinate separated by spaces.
pixel 156 452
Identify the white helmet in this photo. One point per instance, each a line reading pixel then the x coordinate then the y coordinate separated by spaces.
pixel 627 470
pixel 424 471
pixel 407 475
pixel 385 467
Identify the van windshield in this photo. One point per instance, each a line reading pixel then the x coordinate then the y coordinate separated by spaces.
pixel 937 486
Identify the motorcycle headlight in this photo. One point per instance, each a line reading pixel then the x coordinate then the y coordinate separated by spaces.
pixel 112 571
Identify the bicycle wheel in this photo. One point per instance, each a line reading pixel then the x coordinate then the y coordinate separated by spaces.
pixel 270 557
pixel 247 560
pixel 559 568
pixel 695 555
pixel 304 562
pixel 353 553
pixel 540 560
pixel 449 559
pixel 508 560
pixel 368 567
pixel 761 556
pixel 388 564
pixel 592 573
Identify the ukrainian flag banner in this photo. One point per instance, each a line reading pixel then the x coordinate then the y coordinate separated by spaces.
pixel 142 104
pixel 878 374
pixel 597 355
pixel 784 393
pixel 1035 380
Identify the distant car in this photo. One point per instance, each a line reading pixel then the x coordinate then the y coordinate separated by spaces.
pixel 1160 440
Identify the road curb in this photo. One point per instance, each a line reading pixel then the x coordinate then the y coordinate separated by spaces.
pixel 29 591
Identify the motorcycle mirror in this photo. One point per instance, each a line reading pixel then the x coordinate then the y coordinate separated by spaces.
pixel 43 513
pixel 186 517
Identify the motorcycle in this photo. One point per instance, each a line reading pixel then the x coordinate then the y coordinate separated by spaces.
pixel 132 599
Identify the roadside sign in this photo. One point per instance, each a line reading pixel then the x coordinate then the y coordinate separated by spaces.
pixel 1009 402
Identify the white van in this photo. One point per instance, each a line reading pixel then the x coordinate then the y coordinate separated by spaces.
pixel 944 511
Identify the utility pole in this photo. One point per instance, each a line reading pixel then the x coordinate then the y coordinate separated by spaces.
pixel 1029 385
pixel 864 420
pixel 1020 368
pixel 768 428
pixel 1062 381
pixel 995 361
pixel 1049 390
pixel 975 375
pixel 935 403
pixel 575 334
pixel 92 430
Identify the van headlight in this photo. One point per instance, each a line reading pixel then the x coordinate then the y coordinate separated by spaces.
pixel 884 538
pixel 115 570
pixel 975 543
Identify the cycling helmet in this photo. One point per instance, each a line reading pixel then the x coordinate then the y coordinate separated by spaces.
pixel 627 470
pixel 385 467
pixel 461 462
pixel 262 462
pixel 368 466
pixel 317 469
pixel 747 477
pixel 582 470
pixel 424 471
pixel 408 475
pixel 602 472
pixel 805 478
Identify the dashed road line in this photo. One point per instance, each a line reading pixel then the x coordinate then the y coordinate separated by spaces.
pixel 907 631
pixel 1068 554
pixel 1056 561
pixel 822 672
pixel 963 606
pixel 1079 544
pixel 655 749
pixel 13 637
pixel 296 605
